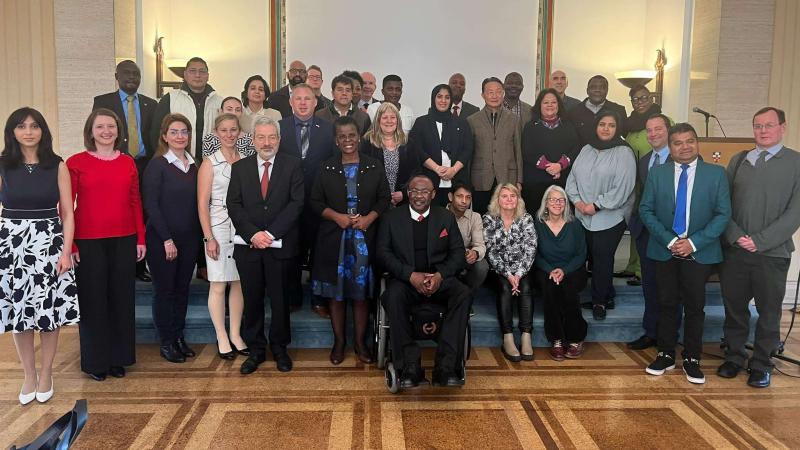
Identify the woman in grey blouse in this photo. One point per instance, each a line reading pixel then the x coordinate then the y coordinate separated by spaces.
pixel 600 186
pixel 510 248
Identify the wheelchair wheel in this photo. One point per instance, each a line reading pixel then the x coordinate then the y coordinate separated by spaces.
pixel 381 338
pixel 392 380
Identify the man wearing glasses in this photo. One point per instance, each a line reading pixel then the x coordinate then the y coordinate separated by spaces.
pixel 685 207
pixel 422 250
pixel 279 99
pixel 765 190
pixel 196 100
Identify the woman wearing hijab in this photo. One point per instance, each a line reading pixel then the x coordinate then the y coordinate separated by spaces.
pixel 600 186
pixel 445 143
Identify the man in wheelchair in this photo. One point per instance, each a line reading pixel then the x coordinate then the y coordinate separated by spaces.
pixel 421 248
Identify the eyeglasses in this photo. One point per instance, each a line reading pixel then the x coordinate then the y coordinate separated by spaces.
pixel 557 201
pixel 766 126
pixel 416 192
pixel 174 133
pixel 297 70
pixel 640 99
pixel 315 77
pixel 197 71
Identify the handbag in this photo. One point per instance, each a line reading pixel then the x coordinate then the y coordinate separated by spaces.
pixel 63 432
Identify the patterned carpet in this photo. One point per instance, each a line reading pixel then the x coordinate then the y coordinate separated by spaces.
pixel 604 400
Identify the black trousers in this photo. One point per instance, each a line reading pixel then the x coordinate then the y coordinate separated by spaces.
pixel 141 164
pixel 400 297
pixel 505 310
pixel 563 320
pixel 260 272
pixel 681 282
pixel 309 225
pixel 106 292
pixel 648 267
pixel 481 199
pixel 171 281
pixel 602 246
pixel 746 276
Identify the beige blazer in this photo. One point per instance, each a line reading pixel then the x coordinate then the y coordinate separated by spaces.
pixel 497 154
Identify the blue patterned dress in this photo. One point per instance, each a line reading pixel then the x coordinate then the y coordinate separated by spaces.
pixel 354 274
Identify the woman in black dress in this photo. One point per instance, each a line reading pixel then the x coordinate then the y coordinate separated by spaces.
pixel 350 192
pixel 550 144
pixel 37 283
pixel 445 143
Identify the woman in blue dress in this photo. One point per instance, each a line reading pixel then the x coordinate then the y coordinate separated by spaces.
pixel 349 193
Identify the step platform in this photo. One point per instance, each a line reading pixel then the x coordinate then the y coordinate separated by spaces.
pixel 622 324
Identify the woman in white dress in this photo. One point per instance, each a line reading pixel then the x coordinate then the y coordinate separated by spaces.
pixel 218 233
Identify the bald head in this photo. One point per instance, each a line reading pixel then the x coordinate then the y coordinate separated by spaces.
pixel 369 86
pixel 458 85
pixel 559 81
pixel 297 73
pixel 128 76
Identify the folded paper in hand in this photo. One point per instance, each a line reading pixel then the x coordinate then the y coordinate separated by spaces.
pixel 276 243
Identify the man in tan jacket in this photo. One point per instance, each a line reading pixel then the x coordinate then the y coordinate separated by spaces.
pixel 497 157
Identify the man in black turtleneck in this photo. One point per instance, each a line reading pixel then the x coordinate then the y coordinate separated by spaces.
pixel 196 100
pixel 584 114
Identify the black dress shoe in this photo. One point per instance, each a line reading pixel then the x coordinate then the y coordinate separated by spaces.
pixel 729 369
pixel 99 376
pixel 610 304
pixel 321 311
pixel 411 376
pixel 183 348
pixel 623 274
pixel 172 353
pixel 251 364
pixel 599 312
pixel 117 371
pixel 283 362
pixel 445 378
pixel 644 342
pixel 634 281
pixel 243 351
pixel 758 378
pixel 144 276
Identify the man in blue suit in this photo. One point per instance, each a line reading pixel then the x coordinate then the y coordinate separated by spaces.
pixel 310 139
pixel 686 207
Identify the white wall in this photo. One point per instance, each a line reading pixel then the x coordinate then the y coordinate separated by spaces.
pixel 423 41
pixel 607 36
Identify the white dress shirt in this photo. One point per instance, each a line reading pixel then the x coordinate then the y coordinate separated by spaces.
pixel 261 162
pixel 175 161
pixel 446 162
pixel 415 215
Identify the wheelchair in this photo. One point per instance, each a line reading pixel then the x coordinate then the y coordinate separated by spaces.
pixel 427 318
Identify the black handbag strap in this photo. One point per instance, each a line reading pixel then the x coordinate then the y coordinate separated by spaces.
pixel 63 432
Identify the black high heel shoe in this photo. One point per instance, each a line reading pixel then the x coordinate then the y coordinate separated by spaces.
pixel 228 356
pixel 244 352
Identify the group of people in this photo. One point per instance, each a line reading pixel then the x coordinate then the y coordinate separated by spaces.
pixel 252 189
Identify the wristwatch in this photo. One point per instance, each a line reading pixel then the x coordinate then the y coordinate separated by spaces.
pixel 208 239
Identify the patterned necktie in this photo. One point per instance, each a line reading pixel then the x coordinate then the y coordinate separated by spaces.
pixel 304 139
pixel 679 222
pixel 265 181
pixel 455 110
pixel 133 128
pixel 762 158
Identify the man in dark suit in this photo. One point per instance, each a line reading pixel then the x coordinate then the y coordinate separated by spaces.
pixel 279 99
pixel 685 206
pixel 128 104
pixel 422 249
pixel 309 139
pixel 657 128
pixel 265 198
pixel 461 108
pixel 584 114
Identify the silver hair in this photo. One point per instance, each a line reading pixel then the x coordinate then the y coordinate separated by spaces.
pixel 542 214
pixel 264 120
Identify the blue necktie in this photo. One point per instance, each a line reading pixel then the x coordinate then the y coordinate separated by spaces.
pixel 679 223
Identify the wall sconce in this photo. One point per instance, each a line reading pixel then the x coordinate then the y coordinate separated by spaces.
pixel 632 78
pixel 175 68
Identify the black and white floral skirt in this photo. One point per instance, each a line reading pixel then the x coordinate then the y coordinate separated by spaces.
pixel 32 295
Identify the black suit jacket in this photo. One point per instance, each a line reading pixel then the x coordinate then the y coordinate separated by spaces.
pixel 147 107
pixel 320 146
pixel 583 118
pixel 280 100
pixel 468 109
pixel 636 226
pixel 277 214
pixel 395 246
pixel 456 140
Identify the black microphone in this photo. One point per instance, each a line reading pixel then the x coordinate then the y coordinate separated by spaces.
pixel 707 114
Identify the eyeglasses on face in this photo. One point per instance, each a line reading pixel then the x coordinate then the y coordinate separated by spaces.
pixel 173 133
pixel 297 70
pixel 419 192
pixel 640 99
pixel 197 71
pixel 766 126
pixel 557 201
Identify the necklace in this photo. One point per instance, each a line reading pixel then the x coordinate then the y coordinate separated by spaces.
pixel 30 167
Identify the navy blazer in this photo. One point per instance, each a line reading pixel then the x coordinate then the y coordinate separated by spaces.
pixel 320 146
pixel 635 225
pixel 710 211
pixel 147 108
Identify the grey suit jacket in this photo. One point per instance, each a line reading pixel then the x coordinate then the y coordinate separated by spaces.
pixel 468 109
pixel 498 151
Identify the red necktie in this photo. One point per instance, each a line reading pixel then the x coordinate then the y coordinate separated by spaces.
pixel 265 181
pixel 420 218
pixel 455 110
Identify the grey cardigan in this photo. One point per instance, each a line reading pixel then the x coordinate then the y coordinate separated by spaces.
pixel 605 178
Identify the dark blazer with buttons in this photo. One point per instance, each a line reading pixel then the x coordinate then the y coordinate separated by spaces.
pixel 456 140
pixel 635 225
pixel 330 191
pixel 395 245
pixel 279 100
pixel 709 213
pixel 467 109
pixel 320 146
pixel 277 214
pixel 147 108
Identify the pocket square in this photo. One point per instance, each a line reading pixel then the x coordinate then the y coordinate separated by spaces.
pixel 443 233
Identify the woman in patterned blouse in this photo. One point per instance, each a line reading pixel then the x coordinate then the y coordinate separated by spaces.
pixel 244 144
pixel 510 248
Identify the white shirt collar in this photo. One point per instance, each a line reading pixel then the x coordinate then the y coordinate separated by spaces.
pixel 261 161
pixel 691 164
pixel 415 215
pixel 172 159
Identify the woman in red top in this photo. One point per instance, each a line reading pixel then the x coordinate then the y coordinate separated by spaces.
pixel 109 235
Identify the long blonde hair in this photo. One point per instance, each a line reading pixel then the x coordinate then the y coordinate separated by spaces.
pixel 494 204
pixel 375 135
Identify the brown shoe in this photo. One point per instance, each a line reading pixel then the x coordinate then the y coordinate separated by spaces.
pixel 321 311
pixel 557 351
pixel 575 350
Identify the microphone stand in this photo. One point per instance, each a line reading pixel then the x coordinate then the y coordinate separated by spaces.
pixel 708 117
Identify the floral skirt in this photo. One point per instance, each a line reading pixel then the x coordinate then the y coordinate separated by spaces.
pixel 32 295
pixel 354 274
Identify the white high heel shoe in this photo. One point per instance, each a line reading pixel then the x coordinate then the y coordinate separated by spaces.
pixel 42 397
pixel 24 399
